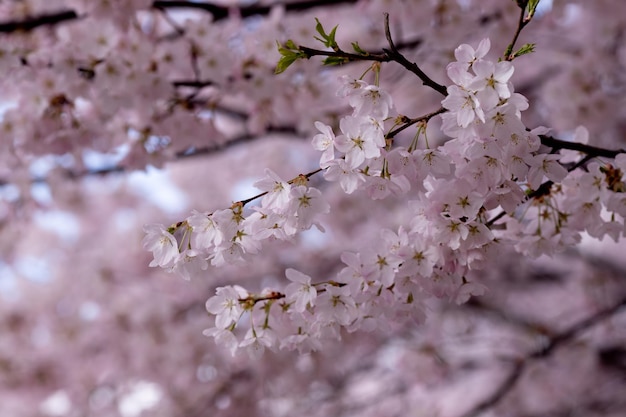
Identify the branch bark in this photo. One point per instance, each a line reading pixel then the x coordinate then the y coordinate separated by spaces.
pixel 218 12
pixel 509 383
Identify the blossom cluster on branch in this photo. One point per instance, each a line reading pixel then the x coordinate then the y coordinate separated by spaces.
pixel 492 184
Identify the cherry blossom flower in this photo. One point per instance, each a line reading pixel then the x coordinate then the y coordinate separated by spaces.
pixel 360 140
pixel 371 101
pixel 300 291
pixel 467 55
pixel 205 230
pixel 350 86
pixel 467 290
pixel 491 81
pixel 349 178
pixel 224 338
pixel 464 104
pixel 325 142
pixel 336 305
pixel 162 244
pixel 545 165
pixel 225 305
pixel 278 191
pixel 257 340
pixel 307 203
pixel 190 263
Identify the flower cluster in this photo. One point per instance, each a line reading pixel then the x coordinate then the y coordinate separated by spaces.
pixel 353 158
pixel 228 236
pixel 492 183
pixel 592 200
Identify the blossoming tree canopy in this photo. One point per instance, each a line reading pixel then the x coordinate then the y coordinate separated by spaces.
pixel 377 208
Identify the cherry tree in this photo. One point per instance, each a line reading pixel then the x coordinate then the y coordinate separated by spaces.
pixel 312 207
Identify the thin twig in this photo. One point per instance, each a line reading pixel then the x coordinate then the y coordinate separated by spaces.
pixel 553 343
pixel 521 24
pixel 181 155
pixel 577 329
pixel 396 56
pixel 542 190
pixel 387 55
pixel 349 57
pixel 411 122
pixel 580 147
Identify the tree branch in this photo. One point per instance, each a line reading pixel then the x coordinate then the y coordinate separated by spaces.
pixel 396 56
pixel 578 328
pixel 521 24
pixel 349 57
pixel 192 83
pixel 218 12
pixel 31 23
pixel 553 343
pixel 411 122
pixel 387 55
pixel 208 150
pixel 580 147
pixel 544 189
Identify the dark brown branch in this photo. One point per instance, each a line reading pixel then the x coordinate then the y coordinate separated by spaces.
pixel 73 175
pixel 411 122
pixel 192 83
pixel 37 21
pixel 249 200
pixel 580 147
pixel 554 342
pixel 279 130
pixel 521 24
pixel 218 12
pixel 544 189
pixel 577 329
pixel 387 55
pixel 507 385
pixel 349 57
pixel 377 56
pixel 396 56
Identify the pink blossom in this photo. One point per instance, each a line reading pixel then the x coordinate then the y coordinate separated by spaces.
pixel 300 291
pixel 226 305
pixel 162 244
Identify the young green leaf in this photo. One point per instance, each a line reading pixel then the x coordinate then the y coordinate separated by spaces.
pixel 532 6
pixel 525 49
pixel 335 60
pixel 291 45
pixel 358 50
pixel 327 39
pixel 284 63
pixel 290 53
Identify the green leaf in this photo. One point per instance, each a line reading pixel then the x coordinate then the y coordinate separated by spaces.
pixel 532 6
pixel 291 45
pixel 289 48
pixel 284 63
pixel 290 53
pixel 335 60
pixel 525 49
pixel 331 37
pixel 358 50
pixel 327 39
